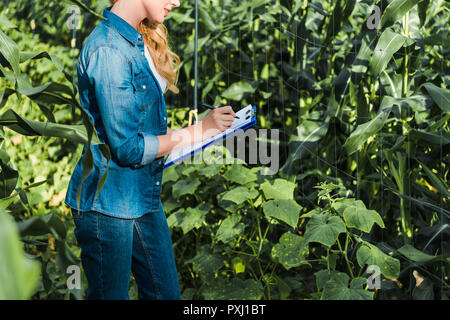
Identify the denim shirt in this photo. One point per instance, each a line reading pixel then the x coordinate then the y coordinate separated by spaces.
pixel 126 105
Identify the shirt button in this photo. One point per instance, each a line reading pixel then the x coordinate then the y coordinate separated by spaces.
pixel 165 118
pixel 144 87
pixel 157 183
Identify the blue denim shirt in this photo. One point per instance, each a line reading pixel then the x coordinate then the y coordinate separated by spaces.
pixel 126 105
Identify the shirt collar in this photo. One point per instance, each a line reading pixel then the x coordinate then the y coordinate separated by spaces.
pixel 123 27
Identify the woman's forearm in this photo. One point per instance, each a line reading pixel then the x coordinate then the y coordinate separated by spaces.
pixel 176 139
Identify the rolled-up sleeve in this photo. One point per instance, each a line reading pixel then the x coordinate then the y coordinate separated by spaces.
pixel 109 73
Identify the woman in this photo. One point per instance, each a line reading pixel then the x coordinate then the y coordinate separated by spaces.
pixel 124 68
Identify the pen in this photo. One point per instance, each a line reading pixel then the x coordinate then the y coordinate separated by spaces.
pixel 212 108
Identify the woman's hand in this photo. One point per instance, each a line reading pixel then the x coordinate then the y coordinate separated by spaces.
pixel 217 121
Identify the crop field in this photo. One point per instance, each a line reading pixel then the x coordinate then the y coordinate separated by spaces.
pixel 353 110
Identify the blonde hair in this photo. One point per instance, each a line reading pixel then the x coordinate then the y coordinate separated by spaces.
pixel 166 61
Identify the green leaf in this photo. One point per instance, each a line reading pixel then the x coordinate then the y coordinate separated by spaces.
pixel 388 44
pixel 237 173
pixel 414 254
pixel 236 289
pixel 206 263
pixel 185 186
pixel 369 254
pixel 41 225
pixel 436 182
pixel 364 131
pixel 439 95
pixel 181 18
pixel 322 276
pixel 240 194
pixel 324 228
pixel 286 210
pixel 237 90
pixel 206 19
pixel 357 216
pixel 74 133
pixel 190 218
pixel 170 174
pixel 280 189
pixel 210 170
pixel 8 180
pixel 337 288
pixel 437 138
pixel 18 274
pixel 10 51
pixel 230 228
pixel 395 11
pixel 290 251
pixel 6 23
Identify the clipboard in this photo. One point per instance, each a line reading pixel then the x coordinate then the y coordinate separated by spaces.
pixel 247 118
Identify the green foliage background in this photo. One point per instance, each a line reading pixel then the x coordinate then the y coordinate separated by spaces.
pixel 364 142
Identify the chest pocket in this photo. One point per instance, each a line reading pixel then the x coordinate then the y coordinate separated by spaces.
pixel 145 91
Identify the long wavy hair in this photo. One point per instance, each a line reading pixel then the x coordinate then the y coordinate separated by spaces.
pixel 156 39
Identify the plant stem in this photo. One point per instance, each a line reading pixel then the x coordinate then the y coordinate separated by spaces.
pixel 345 256
pixel 405 62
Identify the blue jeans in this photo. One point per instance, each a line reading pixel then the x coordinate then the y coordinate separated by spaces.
pixel 112 248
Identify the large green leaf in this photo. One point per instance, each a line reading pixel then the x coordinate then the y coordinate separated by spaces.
pixel 369 254
pixel 10 51
pixel 337 288
pixel 324 228
pixel 286 210
pixel 239 195
pixel 440 95
pixel 280 189
pixel 230 228
pixel 364 131
pixel 205 262
pixel 74 133
pixel 185 186
pixel 414 254
pixel 6 23
pixel 395 11
pixel 437 138
pixel 25 56
pixel 190 218
pixel 18 274
pixel 356 215
pixel 41 225
pixel 237 173
pixel 237 90
pixel 388 44
pixel 290 251
pixel 436 181
pixel 206 19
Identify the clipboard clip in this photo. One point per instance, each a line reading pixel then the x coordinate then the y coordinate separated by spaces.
pixel 249 114
pixel 193 113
